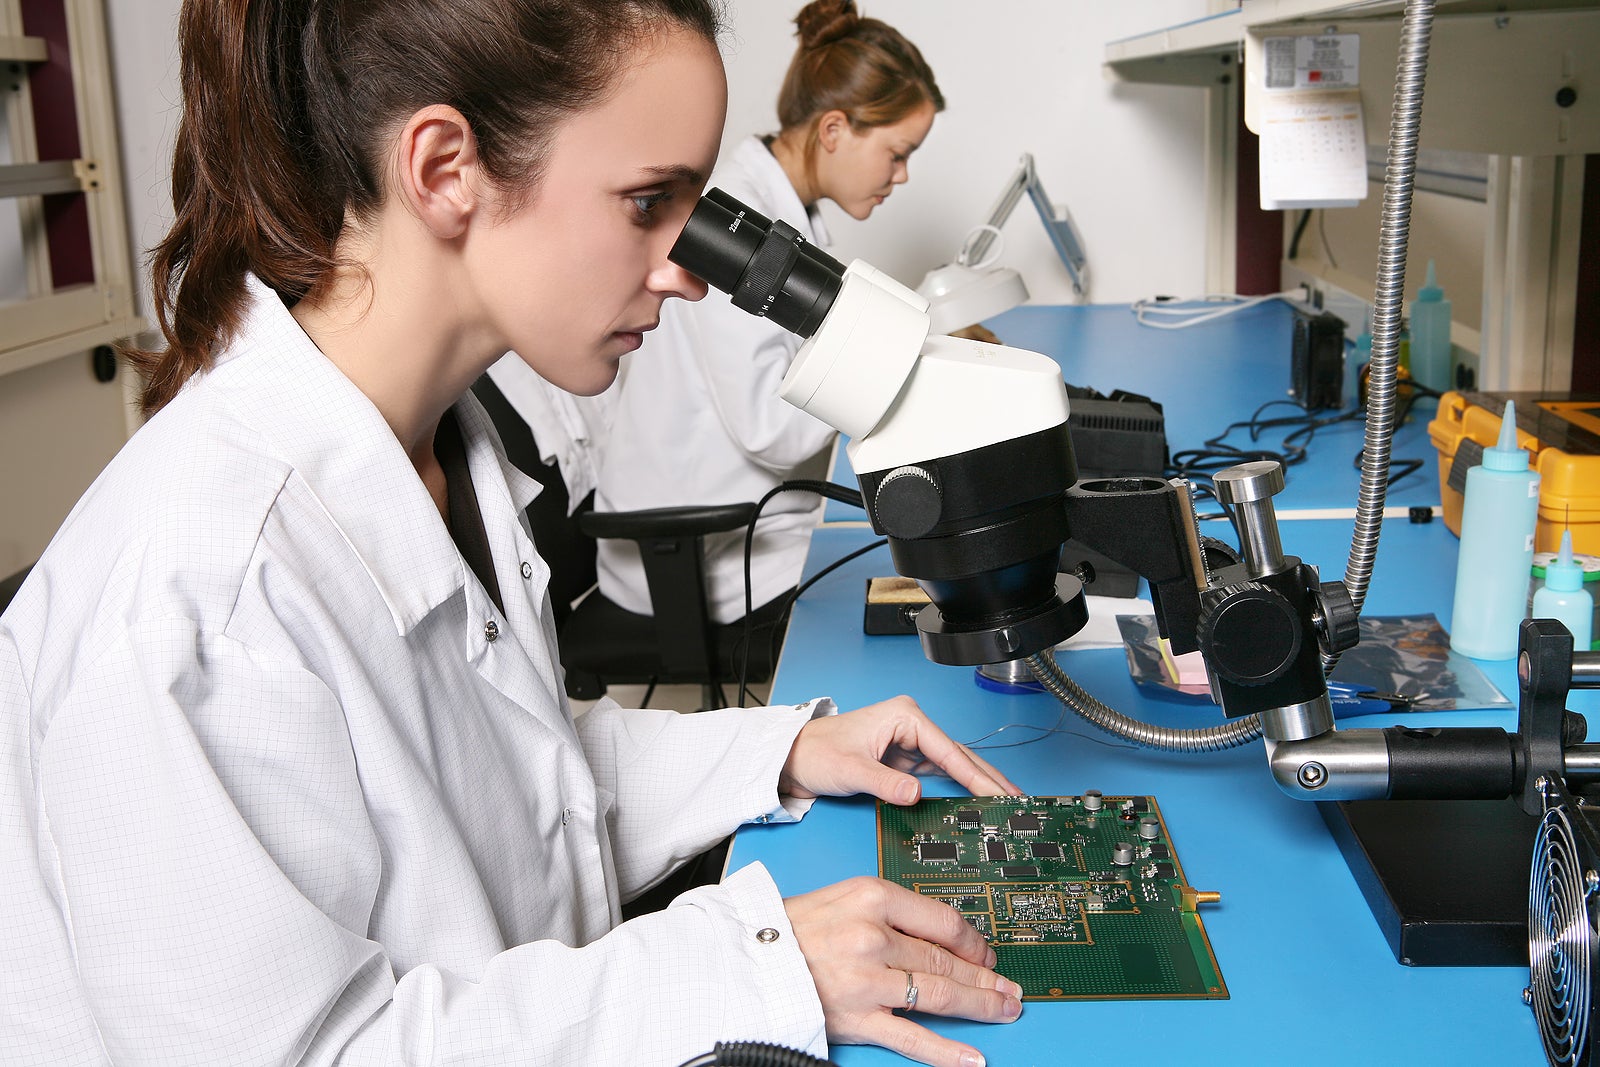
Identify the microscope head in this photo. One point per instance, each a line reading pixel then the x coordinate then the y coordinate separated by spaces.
pixel 961 447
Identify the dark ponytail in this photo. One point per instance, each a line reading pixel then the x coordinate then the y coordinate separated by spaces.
pixel 288 111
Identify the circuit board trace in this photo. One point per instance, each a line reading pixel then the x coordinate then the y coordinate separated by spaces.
pixel 1082 897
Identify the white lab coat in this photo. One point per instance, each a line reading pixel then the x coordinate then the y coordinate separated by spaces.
pixel 281 784
pixel 698 421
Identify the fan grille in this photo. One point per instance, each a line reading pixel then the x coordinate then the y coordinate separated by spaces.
pixel 1560 940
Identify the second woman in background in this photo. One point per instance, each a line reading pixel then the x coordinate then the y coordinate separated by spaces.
pixel 698 420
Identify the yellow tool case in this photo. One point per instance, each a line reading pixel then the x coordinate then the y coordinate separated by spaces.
pixel 1561 432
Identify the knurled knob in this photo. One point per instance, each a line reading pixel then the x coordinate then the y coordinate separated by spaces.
pixel 1248 633
pixel 1338 623
pixel 908 502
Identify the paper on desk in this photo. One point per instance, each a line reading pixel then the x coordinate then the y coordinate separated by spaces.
pixel 1406 654
pixel 1102 631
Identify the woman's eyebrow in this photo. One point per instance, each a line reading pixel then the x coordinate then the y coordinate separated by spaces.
pixel 678 172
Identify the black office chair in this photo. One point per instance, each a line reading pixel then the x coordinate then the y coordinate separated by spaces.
pixel 605 644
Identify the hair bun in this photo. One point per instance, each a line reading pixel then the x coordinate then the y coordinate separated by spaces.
pixel 822 22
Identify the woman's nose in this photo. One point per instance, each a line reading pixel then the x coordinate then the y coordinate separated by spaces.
pixel 672 280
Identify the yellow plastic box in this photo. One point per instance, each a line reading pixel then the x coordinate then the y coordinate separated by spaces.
pixel 1562 437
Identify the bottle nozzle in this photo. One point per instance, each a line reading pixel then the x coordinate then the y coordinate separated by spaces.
pixel 1505 455
pixel 1508 428
pixel 1563 574
pixel 1430 287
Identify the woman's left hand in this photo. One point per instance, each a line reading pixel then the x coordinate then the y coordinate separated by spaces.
pixel 879 749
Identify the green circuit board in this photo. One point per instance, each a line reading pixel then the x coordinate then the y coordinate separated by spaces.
pixel 1082 897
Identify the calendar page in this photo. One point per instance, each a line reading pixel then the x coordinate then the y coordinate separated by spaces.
pixel 1307 111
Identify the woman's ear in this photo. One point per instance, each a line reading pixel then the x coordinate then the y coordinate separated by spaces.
pixel 831 128
pixel 436 170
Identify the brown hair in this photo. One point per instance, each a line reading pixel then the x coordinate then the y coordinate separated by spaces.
pixel 288 109
pixel 857 65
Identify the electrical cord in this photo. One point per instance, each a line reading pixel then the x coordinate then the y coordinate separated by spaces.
pixel 1232 303
pixel 842 493
pixel 1299 230
pixel 755 1054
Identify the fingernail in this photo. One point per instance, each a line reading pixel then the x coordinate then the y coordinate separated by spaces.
pixel 1012 1009
pixel 1010 988
pixel 972 1058
pixel 991 960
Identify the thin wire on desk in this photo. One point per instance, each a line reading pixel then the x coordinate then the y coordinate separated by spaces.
pixel 1044 732
pixel 1144 310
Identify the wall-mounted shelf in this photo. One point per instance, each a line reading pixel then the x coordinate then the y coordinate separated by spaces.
pixel 1516 81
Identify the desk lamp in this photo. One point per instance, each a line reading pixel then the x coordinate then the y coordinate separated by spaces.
pixel 973 288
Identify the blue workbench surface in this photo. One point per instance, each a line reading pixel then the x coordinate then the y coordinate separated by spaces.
pixel 1311 978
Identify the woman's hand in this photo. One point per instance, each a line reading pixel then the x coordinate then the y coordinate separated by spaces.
pixel 879 750
pixel 869 943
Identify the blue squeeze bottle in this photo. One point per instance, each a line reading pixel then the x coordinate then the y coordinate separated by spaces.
pixel 1564 598
pixel 1498 517
pixel 1431 362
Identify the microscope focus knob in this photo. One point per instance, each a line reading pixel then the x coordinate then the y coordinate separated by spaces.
pixel 1248 633
pixel 1337 621
pixel 908 502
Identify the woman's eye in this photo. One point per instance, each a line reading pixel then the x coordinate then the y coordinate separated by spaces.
pixel 646 203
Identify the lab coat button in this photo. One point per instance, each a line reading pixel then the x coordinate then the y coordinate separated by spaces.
pixel 527 570
pixel 766 935
pixel 566 816
pixel 490 630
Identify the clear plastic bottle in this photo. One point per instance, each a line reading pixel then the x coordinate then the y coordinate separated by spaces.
pixel 1431 362
pixel 1564 598
pixel 1498 516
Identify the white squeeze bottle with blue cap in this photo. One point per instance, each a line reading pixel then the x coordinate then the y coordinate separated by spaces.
pixel 1564 598
pixel 1498 517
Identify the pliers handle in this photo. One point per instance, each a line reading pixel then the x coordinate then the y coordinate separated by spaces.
pixel 1350 700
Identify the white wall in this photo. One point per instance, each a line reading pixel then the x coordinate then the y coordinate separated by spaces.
pixel 1018 76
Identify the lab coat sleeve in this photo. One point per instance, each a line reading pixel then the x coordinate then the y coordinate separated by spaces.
pixel 720 964
pixel 743 359
pixel 215 867
pixel 684 782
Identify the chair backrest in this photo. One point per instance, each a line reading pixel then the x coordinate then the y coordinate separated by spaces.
pixel 568 551
pixel 10 585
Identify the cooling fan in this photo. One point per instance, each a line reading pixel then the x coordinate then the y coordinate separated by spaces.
pixel 1562 935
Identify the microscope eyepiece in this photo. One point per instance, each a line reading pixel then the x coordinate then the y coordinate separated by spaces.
pixel 767 267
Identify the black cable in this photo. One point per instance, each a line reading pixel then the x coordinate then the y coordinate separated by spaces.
pixel 755 1054
pixel 833 491
pixel 794 594
pixel 1299 228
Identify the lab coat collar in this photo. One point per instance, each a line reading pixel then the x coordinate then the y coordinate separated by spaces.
pixel 754 157
pixel 321 424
